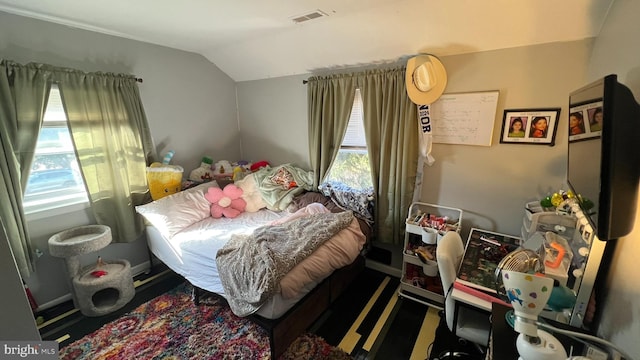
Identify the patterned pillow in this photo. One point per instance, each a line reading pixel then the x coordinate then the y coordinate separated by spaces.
pixel 283 178
pixel 358 201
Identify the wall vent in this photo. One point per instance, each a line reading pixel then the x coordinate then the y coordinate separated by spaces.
pixel 310 16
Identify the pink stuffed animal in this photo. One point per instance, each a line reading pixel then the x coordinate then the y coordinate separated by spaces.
pixel 227 202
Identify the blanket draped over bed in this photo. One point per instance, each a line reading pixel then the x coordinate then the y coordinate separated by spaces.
pixel 251 266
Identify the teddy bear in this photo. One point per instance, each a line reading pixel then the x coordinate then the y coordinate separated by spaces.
pixel 227 202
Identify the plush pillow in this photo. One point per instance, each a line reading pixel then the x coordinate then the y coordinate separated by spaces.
pixel 251 194
pixel 227 202
pixel 310 197
pixel 358 201
pixel 175 212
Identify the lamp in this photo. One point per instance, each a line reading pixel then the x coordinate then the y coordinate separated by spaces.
pixel 520 279
pixel 528 293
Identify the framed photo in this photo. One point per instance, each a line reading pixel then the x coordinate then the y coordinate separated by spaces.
pixel 585 121
pixel 530 126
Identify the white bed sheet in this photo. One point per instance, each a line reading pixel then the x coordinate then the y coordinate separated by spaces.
pixel 192 254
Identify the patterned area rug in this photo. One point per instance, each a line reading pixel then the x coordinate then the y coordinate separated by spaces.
pixel 172 327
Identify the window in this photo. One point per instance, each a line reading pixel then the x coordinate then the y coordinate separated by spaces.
pixel 351 167
pixel 55 179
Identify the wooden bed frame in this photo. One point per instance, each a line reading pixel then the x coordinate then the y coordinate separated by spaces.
pixel 284 330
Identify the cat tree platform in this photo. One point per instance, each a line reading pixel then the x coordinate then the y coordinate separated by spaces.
pixel 100 293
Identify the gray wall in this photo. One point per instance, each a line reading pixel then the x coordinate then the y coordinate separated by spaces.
pixel 616 51
pixel 190 105
pixel 491 184
pixel 273 120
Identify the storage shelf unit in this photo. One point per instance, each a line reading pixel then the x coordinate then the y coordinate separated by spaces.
pixel 415 284
pixel 587 249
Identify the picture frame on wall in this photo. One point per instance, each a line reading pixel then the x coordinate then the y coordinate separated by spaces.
pixel 585 121
pixel 530 126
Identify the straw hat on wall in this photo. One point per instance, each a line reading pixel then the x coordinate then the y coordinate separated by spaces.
pixel 425 79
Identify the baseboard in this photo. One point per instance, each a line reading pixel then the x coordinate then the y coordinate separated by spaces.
pixel 390 270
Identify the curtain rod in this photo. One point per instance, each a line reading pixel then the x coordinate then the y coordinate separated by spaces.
pixel 138 79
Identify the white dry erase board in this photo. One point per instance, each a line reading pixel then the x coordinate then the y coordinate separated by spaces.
pixel 464 118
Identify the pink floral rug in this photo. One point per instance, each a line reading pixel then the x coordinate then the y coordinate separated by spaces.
pixel 172 327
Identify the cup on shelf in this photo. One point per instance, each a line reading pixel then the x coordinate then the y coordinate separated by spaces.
pixel 429 235
pixel 430 268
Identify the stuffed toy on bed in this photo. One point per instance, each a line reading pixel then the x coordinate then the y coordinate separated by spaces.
pixel 227 202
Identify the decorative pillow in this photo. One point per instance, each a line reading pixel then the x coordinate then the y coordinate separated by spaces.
pixel 310 197
pixel 251 194
pixel 283 178
pixel 358 201
pixel 227 202
pixel 175 212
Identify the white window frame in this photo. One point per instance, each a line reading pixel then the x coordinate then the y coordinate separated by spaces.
pixel 55 204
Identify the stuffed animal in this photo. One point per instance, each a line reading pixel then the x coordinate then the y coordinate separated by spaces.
pixel 227 202
pixel 223 167
pixel 240 169
pixel 259 165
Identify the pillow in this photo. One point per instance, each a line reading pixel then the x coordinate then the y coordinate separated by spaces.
pixel 310 197
pixel 358 201
pixel 251 193
pixel 227 202
pixel 175 212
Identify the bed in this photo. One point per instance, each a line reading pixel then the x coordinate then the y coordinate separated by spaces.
pixel 204 250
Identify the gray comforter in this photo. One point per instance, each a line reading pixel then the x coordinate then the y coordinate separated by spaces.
pixel 251 266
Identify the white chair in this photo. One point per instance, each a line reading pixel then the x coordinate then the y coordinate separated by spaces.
pixel 469 323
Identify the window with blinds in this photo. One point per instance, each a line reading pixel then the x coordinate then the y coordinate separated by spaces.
pixel 351 166
pixel 354 137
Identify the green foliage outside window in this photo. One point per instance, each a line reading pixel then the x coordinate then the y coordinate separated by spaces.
pixel 351 167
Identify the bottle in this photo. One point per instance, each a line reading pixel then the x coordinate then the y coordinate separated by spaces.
pixel 204 172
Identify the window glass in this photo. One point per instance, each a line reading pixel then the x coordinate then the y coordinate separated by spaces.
pixel 351 166
pixel 55 179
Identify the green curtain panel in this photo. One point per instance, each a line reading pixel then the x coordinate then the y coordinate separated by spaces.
pixel 330 100
pixel 390 121
pixel 111 136
pixel 23 93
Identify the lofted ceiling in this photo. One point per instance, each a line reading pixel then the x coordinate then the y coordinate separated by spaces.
pixel 254 39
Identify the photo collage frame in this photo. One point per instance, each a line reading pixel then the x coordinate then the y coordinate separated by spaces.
pixel 585 121
pixel 530 126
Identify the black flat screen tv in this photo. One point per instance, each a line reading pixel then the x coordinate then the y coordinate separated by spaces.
pixel 603 162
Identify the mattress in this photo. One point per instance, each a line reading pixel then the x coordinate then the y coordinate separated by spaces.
pixel 192 254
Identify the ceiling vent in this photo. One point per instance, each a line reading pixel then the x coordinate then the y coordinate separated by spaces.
pixel 310 16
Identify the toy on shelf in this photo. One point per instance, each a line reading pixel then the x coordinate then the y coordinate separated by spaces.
pixel 223 173
pixel 164 179
pixel 223 168
pixel 259 165
pixel 240 169
pixel 203 173
pixel 558 201
pixel 168 156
